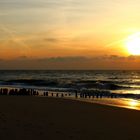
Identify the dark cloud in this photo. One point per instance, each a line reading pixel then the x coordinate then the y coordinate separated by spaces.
pixel 73 62
pixel 22 58
pixel 116 57
pixel 51 40
pixel 134 57
pixel 63 59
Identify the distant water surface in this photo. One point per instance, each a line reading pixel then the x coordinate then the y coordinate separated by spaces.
pixel 113 81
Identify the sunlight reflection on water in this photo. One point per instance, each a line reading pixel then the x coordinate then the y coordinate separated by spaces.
pixel 134 104
pixel 119 102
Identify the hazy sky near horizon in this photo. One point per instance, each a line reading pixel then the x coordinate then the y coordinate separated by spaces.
pixel 36 29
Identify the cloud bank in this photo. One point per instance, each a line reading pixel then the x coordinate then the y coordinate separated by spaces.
pixel 112 62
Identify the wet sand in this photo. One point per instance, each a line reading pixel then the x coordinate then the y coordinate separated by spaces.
pixel 42 118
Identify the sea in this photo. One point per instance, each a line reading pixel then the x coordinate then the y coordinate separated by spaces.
pixel 113 81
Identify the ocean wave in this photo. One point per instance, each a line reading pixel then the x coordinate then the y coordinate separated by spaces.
pixel 59 83
pixel 33 82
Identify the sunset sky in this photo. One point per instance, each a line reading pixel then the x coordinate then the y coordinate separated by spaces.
pixel 68 34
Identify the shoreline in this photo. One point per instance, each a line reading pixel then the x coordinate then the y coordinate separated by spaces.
pixel 99 98
pixel 119 102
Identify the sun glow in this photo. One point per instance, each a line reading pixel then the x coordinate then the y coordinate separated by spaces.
pixel 133 44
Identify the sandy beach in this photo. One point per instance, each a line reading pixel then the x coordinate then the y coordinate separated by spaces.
pixel 38 118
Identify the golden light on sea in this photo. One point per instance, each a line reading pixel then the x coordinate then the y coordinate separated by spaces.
pixel 133 103
pixel 133 44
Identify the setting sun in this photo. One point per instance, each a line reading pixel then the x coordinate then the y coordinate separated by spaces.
pixel 133 44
